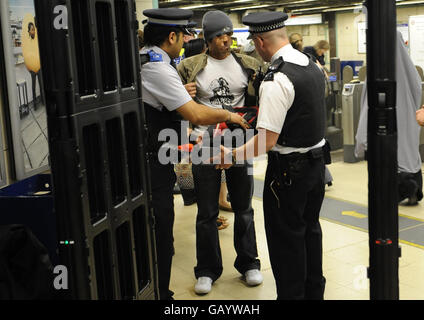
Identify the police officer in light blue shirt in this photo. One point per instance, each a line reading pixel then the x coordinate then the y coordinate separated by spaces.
pixel 166 101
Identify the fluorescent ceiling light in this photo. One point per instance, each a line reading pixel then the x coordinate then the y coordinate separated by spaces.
pixel 199 6
pixel 342 9
pixel 303 1
pixel 309 9
pixel 409 2
pixel 252 7
pixel 240 1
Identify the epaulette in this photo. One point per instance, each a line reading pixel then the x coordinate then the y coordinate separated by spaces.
pixel 273 68
pixel 150 56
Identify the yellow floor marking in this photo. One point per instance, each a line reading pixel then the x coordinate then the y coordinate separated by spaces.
pixel 354 214
pixel 411 244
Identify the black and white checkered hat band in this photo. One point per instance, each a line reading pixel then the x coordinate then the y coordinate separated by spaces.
pixel 266 28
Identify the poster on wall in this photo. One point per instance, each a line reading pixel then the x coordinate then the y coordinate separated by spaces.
pixel 403 28
pixel 362 37
pixel 26 101
pixel 416 40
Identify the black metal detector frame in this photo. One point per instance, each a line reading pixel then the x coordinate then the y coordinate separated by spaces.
pixel 91 72
pixel 382 151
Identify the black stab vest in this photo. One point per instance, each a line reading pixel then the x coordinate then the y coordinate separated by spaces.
pixel 304 125
pixel 157 121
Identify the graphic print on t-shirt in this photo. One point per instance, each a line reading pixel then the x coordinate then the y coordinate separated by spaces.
pixel 221 92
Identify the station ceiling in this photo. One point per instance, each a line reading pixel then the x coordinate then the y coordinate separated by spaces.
pixel 290 6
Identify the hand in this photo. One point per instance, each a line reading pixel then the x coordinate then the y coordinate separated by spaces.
pixel 191 89
pixel 237 119
pixel 420 116
pixel 199 139
pixel 225 159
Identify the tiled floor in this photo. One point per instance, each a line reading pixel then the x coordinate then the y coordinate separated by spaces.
pixel 345 249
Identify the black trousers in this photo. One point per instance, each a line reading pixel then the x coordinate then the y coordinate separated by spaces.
pixel 410 185
pixel 163 181
pixel 294 237
pixel 207 183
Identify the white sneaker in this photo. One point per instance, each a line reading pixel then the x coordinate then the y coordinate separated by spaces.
pixel 203 285
pixel 253 277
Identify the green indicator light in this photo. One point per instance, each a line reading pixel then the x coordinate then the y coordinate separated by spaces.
pixel 66 242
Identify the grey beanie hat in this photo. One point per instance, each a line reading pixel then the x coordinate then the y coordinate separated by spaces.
pixel 216 23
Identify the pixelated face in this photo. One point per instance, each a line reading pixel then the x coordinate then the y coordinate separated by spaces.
pixel 222 43
pixel 321 52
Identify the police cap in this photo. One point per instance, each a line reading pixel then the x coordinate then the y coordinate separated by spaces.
pixel 260 22
pixel 172 17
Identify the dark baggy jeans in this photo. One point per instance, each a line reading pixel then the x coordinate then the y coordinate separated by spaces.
pixel 207 183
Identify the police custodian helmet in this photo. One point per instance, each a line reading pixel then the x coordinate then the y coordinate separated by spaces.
pixel 172 17
pixel 260 22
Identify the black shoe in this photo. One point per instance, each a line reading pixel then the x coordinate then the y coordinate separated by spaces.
pixel 412 201
pixel 176 189
pixel 189 196
pixel 190 202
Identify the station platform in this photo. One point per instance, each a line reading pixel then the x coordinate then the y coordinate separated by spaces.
pixel 345 243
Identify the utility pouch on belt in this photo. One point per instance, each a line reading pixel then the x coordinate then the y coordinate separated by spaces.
pixel 316 153
pixel 327 155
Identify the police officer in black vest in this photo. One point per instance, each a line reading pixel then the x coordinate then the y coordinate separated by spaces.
pixel 291 124
pixel 166 101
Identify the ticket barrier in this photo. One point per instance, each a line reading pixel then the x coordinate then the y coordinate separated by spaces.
pixel 351 109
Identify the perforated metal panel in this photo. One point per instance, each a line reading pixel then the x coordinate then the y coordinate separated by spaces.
pixel 96 138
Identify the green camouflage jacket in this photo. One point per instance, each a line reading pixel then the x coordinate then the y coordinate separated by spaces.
pixel 190 67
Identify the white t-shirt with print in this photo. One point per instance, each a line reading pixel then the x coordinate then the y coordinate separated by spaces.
pixel 221 82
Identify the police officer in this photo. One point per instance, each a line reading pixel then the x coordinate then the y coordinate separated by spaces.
pixel 291 118
pixel 164 96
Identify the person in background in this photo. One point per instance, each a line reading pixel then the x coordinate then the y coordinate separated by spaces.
pixel 194 46
pixel 318 50
pixel 185 184
pixel 296 40
pixel 419 115
pixel 187 38
pixel 408 100
pixel 250 50
pixel 140 37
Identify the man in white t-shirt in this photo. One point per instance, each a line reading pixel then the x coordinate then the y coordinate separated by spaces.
pixel 222 78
